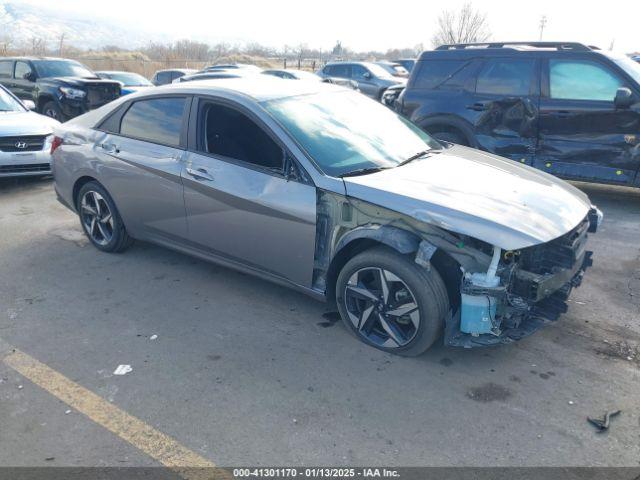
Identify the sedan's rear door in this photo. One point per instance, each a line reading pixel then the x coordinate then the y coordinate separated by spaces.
pixel 142 154
pixel 247 200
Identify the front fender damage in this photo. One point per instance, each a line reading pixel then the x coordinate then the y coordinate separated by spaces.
pixel 532 287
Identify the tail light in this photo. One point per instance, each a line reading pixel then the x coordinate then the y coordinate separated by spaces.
pixel 56 142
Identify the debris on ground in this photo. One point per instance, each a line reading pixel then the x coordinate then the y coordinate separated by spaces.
pixel 49 459
pixel 67 412
pixel 123 370
pixel 621 350
pixel 602 424
pixel 20 387
pixel 153 337
pixel 571 402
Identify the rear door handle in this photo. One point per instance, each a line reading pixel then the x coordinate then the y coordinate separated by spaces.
pixel 109 148
pixel 561 113
pixel 199 174
pixel 478 107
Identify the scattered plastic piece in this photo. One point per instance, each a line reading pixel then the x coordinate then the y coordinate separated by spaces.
pixel 153 337
pixel 20 387
pixel 603 424
pixel 123 370
pixel 67 412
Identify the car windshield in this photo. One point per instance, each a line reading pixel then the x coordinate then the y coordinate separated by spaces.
pixel 62 68
pixel 130 79
pixel 628 65
pixel 302 75
pixel 8 103
pixel 378 71
pixel 345 132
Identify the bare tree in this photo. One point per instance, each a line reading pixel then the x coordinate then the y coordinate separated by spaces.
pixel 466 26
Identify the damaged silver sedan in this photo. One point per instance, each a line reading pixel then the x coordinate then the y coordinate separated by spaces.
pixel 324 190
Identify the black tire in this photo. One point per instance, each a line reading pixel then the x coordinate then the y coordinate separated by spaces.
pixel 119 240
pixel 451 137
pixel 51 109
pixel 426 288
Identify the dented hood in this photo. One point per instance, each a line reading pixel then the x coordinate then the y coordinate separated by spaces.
pixel 477 194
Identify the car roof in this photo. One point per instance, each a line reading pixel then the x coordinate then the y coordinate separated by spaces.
pixel 183 70
pixel 35 59
pixel 471 50
pixel 259 88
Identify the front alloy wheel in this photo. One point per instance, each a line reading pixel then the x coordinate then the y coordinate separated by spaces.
pixel 381 306
pixel 390 302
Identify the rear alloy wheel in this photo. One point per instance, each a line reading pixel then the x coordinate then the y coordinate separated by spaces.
pixel 100 219
pixel 390 302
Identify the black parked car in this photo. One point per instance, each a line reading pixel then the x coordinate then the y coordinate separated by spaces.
pixel 163 77
pixel 60 88
pixel 566 108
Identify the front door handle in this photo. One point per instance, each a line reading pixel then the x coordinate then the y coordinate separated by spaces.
pixel 478 107
pixel 199 174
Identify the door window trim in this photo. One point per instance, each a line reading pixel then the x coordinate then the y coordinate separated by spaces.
pixel 124 108
pixel 195 137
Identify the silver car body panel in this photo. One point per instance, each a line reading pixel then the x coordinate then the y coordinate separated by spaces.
pixel 17 124
pixel 477 194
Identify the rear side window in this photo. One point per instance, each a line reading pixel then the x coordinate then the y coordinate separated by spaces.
pixel 163 77
pixel 582 80
pixel 506 77
pixel 158 120
pixel 340 70
pixel 22 70
pixel 433 73
pixel 5 68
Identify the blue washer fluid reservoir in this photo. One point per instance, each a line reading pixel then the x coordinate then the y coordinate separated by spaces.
pixel 477 314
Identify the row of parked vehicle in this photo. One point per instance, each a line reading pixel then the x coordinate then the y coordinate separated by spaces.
pixel 566 108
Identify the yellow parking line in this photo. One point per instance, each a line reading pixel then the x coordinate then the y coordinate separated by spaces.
pixel 154 443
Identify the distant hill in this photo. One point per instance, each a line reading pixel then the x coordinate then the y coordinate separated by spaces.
pixel 22 22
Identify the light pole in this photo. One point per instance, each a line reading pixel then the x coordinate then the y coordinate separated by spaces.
pixel 543 23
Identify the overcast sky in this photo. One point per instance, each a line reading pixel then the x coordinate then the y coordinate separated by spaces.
pixel 363 25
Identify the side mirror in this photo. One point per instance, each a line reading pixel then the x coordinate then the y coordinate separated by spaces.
pixel 30 77
pixel 367 75
pixel 29 104
pixel 624 98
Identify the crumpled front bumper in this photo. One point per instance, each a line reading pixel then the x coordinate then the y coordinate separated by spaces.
pixel 535 299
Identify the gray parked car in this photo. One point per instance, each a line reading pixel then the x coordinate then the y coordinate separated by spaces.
pixel 321 189
pixel 372 79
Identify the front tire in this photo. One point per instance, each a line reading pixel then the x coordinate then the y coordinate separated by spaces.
pixel 100 219
pixel 51 109
pixel 390 302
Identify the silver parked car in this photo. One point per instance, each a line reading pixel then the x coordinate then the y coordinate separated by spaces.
pixel 321 189
pixel 25 138
pixel 371 78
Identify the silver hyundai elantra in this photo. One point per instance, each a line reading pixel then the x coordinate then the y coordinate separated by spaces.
pixel 323 190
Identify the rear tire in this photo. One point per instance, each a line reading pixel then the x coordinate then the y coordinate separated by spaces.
pixel 405 316
pixel 100 219
pixel 451 137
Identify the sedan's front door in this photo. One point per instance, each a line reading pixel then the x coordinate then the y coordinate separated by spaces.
pixel 240 205
pixel 142 153
pixel 583 135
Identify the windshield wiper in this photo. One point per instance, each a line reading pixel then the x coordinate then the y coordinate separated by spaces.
pixel 363 171
pixel 418 155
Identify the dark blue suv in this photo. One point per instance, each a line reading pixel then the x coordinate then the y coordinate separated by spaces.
pixel 566 108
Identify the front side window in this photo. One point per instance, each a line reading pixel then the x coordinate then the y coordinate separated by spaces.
pixel 345 131
pixel 23 69
pixel 358 72
pixel 230 133
pixel 157 120
pixel 6 67
pixel 506 77
pixel 582 80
